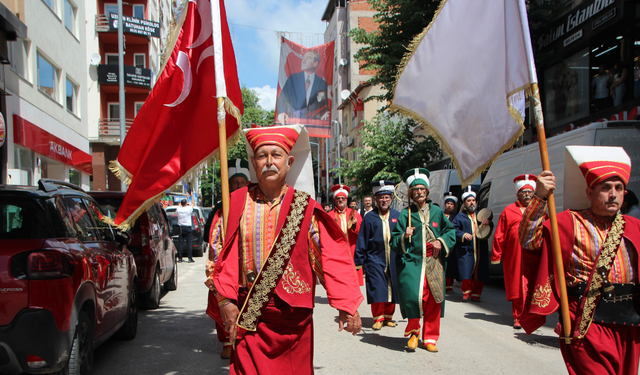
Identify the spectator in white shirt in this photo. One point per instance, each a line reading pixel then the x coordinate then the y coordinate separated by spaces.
pixel 184 221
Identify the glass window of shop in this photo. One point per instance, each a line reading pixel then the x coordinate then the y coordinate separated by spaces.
pixel 566 87
pixel 23 160
pixel 609 71
pixel 74 176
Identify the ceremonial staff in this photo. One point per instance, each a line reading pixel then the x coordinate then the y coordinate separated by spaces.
pixel 546 166
pixel 224 169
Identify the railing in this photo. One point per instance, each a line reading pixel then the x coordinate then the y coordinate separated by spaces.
pixel 111 128
pixel 102 23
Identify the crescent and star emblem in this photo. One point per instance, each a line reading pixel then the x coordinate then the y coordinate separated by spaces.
pixel 183 63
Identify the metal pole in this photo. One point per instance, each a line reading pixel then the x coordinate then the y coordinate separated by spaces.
pixel 318 165
pixel 123 126
pixel 339 150
pixel 326 168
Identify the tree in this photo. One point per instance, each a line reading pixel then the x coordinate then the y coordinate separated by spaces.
pixel 253 114
pixel 390 149
pixel 399 21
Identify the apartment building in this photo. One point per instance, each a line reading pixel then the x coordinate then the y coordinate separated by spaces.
pixel 146 25
pixel 44 84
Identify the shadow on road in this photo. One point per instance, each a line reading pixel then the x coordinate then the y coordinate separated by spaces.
pixel 540 341
pixel 321 300
pixel 397 344
pixel 169 341
pixel 497 319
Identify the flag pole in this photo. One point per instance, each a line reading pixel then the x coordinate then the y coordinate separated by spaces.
pixel 546 166
pixel 224 165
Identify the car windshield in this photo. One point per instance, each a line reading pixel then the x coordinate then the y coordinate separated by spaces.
pixel 29 218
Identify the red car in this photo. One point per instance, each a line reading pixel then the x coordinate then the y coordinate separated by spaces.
pixel 151 245
pixel 67 280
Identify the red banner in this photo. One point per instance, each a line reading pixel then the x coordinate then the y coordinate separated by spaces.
pixel 305 82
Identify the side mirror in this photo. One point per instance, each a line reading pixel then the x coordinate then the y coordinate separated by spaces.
pixel 123 238
pixel 176 230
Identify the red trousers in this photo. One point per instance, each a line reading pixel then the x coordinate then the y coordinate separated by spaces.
pixel 213 310
pixel 472 286
pixel 360 276
pixel 606 349
pixel 430 317
pixel 281 344
pixel 516 308
pixel 449 284
pixel 382 311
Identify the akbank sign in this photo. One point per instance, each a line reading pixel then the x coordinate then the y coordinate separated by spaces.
pixel 600 11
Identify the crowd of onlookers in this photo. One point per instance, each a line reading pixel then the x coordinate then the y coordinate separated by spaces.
pixel 609 86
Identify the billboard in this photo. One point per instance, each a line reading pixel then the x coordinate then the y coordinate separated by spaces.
pixel 305 81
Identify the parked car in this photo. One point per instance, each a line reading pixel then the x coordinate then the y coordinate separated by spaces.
pixel 197 225
pixel 68 280
pixel 151 246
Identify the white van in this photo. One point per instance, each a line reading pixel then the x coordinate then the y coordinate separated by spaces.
pixel 498 189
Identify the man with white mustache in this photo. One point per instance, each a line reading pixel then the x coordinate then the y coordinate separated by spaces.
pixel 472 253
pixel 599 249
pixel 506 244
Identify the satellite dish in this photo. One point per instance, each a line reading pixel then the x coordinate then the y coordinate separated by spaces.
pixel 343 62
pixel 94 59
pixel 344 94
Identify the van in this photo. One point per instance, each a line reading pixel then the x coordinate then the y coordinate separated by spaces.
pixel 498 190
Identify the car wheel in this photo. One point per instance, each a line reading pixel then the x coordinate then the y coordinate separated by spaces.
pixel 172 283
pixel 81 357
pixel 130 328
pixel 152 298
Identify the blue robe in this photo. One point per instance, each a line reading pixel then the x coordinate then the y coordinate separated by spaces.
pixel 452 260
pixel 370 254
pixel 472 260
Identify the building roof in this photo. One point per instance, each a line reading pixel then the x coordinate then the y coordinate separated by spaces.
pixel 11 24
pixel 353 94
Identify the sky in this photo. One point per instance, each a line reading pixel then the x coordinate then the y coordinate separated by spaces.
pixel 253 25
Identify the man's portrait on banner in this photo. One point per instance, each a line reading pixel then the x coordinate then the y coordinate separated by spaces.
pixel 304 95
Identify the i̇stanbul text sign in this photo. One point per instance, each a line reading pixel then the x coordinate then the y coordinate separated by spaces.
pixel 134 25
pixel 305 81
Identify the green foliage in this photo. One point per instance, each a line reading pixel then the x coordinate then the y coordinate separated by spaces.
pixel 399 21
pixel 253 114
pixel 390 149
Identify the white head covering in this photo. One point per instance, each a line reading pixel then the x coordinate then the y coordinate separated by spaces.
pixel 468 193
pixel 300 175
pixel 383 187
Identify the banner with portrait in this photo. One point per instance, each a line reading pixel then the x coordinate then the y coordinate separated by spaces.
pixel 305 81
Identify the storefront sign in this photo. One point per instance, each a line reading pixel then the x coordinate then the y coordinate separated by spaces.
pixel 132 75
pixel 3 130
pixel 135 25
pixel 31 136
pixel 599 11
pixel 573 38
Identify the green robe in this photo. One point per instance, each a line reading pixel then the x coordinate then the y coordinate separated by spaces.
pixel 411 262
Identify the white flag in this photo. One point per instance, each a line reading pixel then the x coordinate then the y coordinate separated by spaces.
pixel 465 79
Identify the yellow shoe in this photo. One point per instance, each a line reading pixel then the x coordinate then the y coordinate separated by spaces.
pixel 377 326
pixel 413 342
pixel 226 352
pixel 389 323
pixel 430 348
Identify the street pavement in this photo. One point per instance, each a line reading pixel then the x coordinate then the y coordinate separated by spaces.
pixel 179 338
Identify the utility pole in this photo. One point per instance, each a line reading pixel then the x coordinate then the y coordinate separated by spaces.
pixel 123 125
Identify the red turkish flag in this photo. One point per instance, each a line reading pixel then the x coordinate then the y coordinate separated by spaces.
pixel 176 129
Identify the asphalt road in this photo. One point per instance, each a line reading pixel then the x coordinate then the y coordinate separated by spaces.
pixel 478 338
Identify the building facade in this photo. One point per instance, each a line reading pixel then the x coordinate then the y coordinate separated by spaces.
pixel 46 105
pixel 146 25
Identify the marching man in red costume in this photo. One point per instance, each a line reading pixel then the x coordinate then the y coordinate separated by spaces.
pixel 600 260
pixel 506 243
pixel 348 219
pixel 277 242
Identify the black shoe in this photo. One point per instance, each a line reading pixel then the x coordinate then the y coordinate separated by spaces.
pixel 191 261
pixel 179 260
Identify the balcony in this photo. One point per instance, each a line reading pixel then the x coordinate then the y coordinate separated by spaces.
pixel 109 129
pixel 140 77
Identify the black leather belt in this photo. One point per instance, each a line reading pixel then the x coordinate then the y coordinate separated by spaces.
pixel 619 305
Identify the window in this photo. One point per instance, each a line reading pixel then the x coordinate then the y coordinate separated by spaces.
pixel 74 176
pixel 19 57
pixel 70 11
pixel 139 60
pixel 114 111
pixel 47 77
pixel 138 106
pixel 51 4
pixel 138 11
pixel 72 97
pixel 112 58
pixel 110 8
